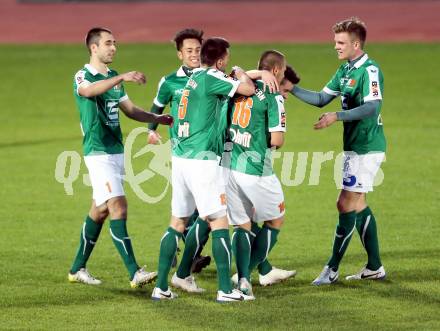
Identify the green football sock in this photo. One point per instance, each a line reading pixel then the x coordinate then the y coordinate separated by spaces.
pixel 168 248
pixel 89 235
pixel 343 234
pixel 264 267
pixel 197 236
pixel 263 244
pixel 367 229
pixel 221 251
pixel 118 231
pixel 241 247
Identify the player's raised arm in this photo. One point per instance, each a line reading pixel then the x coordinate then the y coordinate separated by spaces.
pixel 318 99
pixel 269 79
pixel 246 86
pixel 90 90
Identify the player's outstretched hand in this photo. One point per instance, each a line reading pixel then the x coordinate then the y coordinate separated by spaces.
pixel 165 119
pixel 135 77
pixel 325 120
pixel 153 137
pixel 270 82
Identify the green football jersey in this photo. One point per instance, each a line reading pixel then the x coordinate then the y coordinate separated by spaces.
pixel 169 92
pixel 252 121
pixel 356 84
pixel 99 115
pixel 199 113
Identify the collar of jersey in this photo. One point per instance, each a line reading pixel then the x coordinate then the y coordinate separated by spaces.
pixel 180 72
pixel 358 62
pixel 92 69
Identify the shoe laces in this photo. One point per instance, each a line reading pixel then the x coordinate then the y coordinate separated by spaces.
pixel 88 274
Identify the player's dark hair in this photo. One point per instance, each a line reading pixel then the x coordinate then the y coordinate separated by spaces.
pixel 213 49
pixel 291 75
pixel 354 26
pixel 271 59
pixel 187 34
pixel 94 35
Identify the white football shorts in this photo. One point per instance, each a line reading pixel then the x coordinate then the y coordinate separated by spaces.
pixel 253 198
pixel 358 171
pixel 196 184
pixel 106 174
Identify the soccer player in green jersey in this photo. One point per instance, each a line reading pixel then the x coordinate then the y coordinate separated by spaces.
pixel 99 94
pixel 268 275
pixel 196 174
pixel 254 193
pixel 359 83
pixel 188 44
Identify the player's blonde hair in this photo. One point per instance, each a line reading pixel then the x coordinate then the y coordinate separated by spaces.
pixel 353 26
pixel 271 58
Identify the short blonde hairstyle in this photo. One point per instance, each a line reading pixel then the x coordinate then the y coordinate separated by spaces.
pixel 353 26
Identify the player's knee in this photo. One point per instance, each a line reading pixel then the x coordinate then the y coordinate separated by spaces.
pixel 117 208
pixel 179 224
pixel 98 214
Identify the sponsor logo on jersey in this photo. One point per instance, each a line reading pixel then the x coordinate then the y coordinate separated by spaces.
pixel 183 130
pixel 192 83
pixel 283 119
pixel 374 89
pixel 348 82
pixel 178 92
pixel 243 139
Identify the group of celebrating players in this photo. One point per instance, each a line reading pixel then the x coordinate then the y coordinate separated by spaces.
pixel 223 128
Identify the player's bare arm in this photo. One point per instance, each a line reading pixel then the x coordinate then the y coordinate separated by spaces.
pixel 246 86
pixel 98 88
pixel 138 114
pixel 269 80
pixel 277 139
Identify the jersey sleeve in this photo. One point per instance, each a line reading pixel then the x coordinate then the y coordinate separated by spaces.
pixel 276 113
pixel 219 84
pixel 123 95
pixel 163 96
pixel 333 87
pixel 372 84
pixel 80 79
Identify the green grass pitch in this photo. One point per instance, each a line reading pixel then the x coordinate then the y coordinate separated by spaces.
pixel 40 224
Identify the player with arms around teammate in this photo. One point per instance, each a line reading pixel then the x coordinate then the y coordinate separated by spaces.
pixel 196 176
pixel 267 274
pixel 254 193
pixel 188 43
pixel 99 94
pixel 359 82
